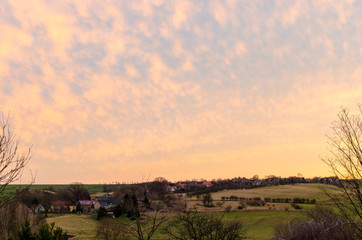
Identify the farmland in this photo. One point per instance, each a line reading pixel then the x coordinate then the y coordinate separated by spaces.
pixel 81 226
pixel 259 221
pixel 259 224
pixel 312 191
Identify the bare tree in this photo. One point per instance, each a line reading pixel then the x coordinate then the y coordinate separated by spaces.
pixel 111 229
pixel 198 226
pixel 207 200
pixel 12 162
pixel 345 161
pixel 158 188
pixel 146 223
pixel 322 223
pixel 78 192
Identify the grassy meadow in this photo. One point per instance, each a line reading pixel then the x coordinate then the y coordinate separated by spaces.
pixel 310 191
pixel 259 224
pixel 302 190
pixel 82 226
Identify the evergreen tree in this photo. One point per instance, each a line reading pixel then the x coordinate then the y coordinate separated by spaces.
pixel 146 201
pixel 78 208
pixel 50 232
pixel 46 232
pixel 25 232
pixel 118 211
pixel 135 206
pixel 101 213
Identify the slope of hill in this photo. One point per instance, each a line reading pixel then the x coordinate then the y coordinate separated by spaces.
pixel 307 190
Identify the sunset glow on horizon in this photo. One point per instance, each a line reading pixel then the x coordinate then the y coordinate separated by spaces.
pixel 126 91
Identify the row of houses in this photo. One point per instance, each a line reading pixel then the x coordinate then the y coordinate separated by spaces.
pixel 180 186
pixel 85 206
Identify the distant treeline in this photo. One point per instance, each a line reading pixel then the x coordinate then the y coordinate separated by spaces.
pixel 290 200
pixel 270 200
pixel 194 188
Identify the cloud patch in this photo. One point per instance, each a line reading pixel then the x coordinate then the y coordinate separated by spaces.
pixel 117 91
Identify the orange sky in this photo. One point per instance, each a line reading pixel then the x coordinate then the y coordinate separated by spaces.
pixel 117 91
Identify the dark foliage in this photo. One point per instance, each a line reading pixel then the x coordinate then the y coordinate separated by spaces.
pixel 78 208
pixel 118 211
pixel 158 188
pixel 197 226
pixel 46 232
pixel 207 200
pixel 102 212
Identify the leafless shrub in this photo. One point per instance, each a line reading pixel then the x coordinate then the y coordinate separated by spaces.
pixel 195 225
pixel 112 229
pixel 146 223
pixel 322 224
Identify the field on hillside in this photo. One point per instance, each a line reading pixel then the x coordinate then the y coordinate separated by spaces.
pixel 82 226
pixel 260 224
pixel 308 191
pixel 305 190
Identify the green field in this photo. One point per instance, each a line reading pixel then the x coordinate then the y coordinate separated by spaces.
pixel 83 227
pixel 306 190
pixel 259 224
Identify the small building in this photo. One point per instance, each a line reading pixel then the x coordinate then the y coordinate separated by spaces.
pixel 62 206
pixel 105 202
pixel 89 205
pixel 207 183
pixel 39 209
pixel 181 185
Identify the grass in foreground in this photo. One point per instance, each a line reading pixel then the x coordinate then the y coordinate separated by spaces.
pixel 83 227
pixel 260 225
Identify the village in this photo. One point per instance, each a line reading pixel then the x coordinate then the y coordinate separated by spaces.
pixel 108 200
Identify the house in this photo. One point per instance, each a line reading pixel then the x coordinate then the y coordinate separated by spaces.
pixel 207 183
pixel 181 185
pixel 171 188
pixel 88 205
pixel 62 206
pixel 39 209
pixel 105 202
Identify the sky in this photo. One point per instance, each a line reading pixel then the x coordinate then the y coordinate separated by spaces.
pixel 127 91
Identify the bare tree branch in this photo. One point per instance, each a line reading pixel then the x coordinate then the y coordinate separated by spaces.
pixel 12 161
pixel 345 161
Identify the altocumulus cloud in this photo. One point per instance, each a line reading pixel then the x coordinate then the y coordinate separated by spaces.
pixel 112 91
